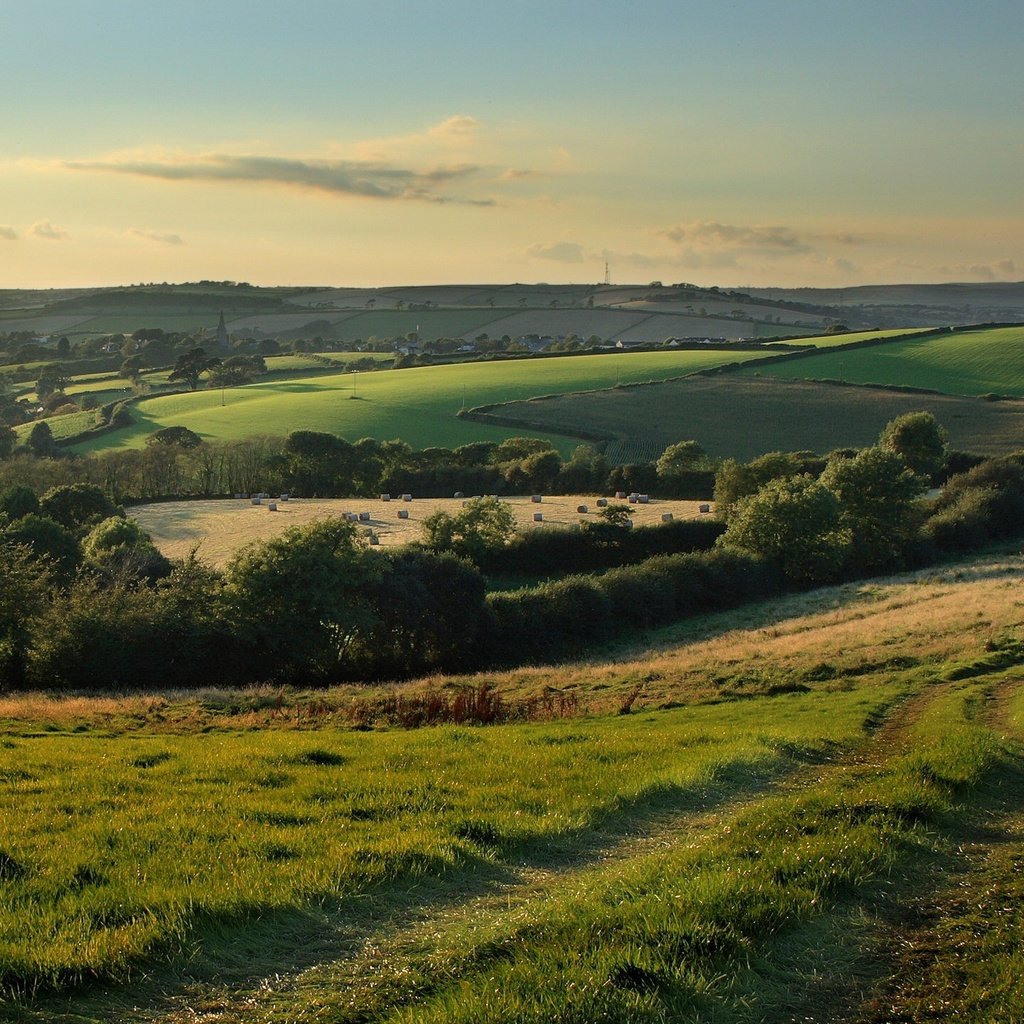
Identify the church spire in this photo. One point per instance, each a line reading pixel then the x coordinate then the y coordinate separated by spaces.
pixel 222 332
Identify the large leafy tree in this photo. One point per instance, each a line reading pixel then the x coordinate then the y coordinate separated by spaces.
pixel 190 366
pixel 794 522
pixel 877 493
pixel 483 523
pixel 298 601
pixel 919 440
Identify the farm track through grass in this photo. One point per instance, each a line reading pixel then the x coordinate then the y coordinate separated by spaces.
pixel 737 896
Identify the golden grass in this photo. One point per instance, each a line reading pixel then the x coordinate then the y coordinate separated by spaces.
pixel 220 528
pixel 885 626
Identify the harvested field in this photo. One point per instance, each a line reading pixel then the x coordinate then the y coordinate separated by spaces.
pixel 220 528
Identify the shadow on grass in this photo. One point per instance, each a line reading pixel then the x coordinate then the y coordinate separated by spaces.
pixel 235 953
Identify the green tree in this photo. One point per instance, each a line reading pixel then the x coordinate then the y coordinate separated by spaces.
pixel 17 501
pixel 481 524
pixel 175 437
pixel 131 368
pixel 121 550
pixel 191 366
pixel 8 440
pixel 795 523
pixel 51 380
pixel 41 442
pixel 26 589
pixel 919 440
pixel 50 543
pixel 681 457
pixel 877 493
pixel 297 602
pixel 76 506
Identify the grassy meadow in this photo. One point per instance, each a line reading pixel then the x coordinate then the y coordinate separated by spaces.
pixel 752 841
pixel 743 415
pixel 988 361
pixel 418 404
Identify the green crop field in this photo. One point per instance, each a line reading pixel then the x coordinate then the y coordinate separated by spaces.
pixel 740 416
pixel 418 404
pixel 964 363
pixel 756 840
pixel 839 340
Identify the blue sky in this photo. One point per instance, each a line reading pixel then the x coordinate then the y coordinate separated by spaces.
pixel 733 143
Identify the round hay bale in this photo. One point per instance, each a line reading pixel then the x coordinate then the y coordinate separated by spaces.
pixel 271 506
pixel 538 517
pixel 666 517
pixel 602 502
pixel 536 499
pixel 582 508
pixel 403 513
pixel 385 497
pixel 704 507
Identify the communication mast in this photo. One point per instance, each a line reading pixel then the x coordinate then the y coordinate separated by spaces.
pixel 607 273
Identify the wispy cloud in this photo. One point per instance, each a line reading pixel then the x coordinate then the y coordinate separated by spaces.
pixel 713 235
pixel 561 252
pixel 8 233
pixel 44 229
pixel 364 179
pixel 155 236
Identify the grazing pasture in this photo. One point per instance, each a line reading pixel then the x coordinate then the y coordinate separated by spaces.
pixel 789 778
pixel 743 415
pixel 419 404
pixel 220 528
pixel 988 361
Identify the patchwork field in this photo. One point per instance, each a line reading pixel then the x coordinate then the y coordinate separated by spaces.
pixel 839 340
pixel 771 850
pixel 964 363
pixel 418 404
pixel 741 416
pixel 220 528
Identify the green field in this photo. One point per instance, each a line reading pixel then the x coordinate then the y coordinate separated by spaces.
pixel 963 363
pixel 742 416
pixel 418 404
pixel 750 843
pixel 839 340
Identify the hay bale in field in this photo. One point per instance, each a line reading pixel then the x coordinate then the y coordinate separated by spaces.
pixel 403 513
pixel 704 507
pixel 458 494
pixel 536 499
pixel 602 502
pixel 582 508
pixel 364 517
pixel 666 517
pixel 351 517
pixel 538 517
pixel 385 497
pixel 619 495
pixel 374 539
pixel 271 506
pixel 256 499
pixel 633 499
pixel 644 499
pixel 406 497
pixel 285 497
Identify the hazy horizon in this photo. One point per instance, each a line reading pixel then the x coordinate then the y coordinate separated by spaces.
pixel 779 144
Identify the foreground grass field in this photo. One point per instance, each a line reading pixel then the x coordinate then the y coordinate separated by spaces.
pixel 743 415
pixel 418 404
pixel 964 363
pixel 738 848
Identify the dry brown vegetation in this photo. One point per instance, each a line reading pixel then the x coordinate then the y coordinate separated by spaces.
pixel 220 528
pixel 933 619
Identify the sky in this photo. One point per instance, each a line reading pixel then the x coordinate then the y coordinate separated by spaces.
pixel 328 142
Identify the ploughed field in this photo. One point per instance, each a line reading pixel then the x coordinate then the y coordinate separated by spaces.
pixel 769 834
pixel 220 528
